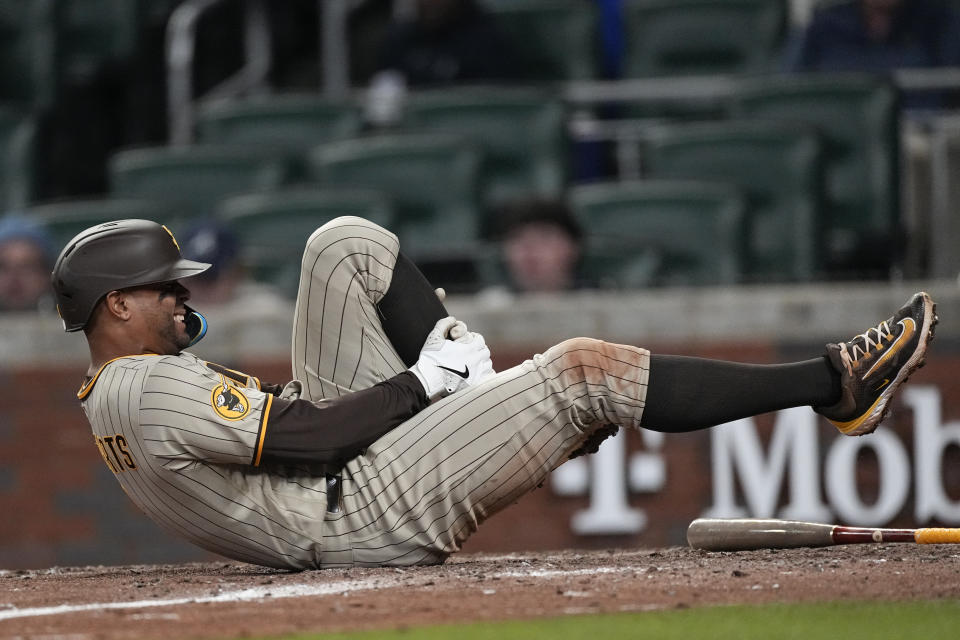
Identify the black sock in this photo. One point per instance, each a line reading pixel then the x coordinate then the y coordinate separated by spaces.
pixel 409 310
pixel 685 394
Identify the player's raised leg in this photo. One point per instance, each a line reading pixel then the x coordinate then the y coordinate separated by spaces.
pixel 337 343
pixel 363 309
pixel 421 490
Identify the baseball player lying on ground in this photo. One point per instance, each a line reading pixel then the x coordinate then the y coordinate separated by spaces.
pixel 396 439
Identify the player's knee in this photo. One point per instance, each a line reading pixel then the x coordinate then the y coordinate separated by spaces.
pixel 576 352
pixel 338 225
pixel 593 359
pixel 346 233
pixel 576 346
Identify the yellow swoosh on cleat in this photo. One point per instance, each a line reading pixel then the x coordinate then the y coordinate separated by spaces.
pixel 850 427
pixel 909 328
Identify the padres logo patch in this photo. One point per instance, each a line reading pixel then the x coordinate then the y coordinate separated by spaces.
pixel 229 402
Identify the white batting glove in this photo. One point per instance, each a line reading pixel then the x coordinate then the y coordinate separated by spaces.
pixel 446 366
pixel 459 333
pixel 458 330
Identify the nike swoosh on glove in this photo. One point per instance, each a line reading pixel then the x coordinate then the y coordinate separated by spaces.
pixel 484 369
pixel 446 366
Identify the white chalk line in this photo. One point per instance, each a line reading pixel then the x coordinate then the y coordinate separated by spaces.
pixel 242 595
pixel 287 591
pixel 562 573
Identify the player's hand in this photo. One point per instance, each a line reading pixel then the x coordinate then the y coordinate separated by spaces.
pixel 445 366
pixel 459 333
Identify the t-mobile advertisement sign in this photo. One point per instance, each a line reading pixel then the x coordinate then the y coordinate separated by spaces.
pixel 794 474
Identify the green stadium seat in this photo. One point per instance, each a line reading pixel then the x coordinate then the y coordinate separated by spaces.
pixel 556 39
pixel 684 37
pixel 285 125
pixel 273 227
pixel 66 218
pixel 192 179
pixel 18 155
pixel 93 33
pixel 777 165
pixel 661 232
pixel 431 180
pixel 520 131
pixel 857 117
pixel 27 73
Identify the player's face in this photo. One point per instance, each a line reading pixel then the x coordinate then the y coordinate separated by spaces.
pixel 161 315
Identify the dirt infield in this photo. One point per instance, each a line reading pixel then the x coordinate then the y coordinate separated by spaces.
pixel 230 600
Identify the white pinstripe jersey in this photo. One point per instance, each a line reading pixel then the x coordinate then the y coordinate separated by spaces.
pixel 184 441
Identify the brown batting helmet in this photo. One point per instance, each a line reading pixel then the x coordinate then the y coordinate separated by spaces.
pixel 115 255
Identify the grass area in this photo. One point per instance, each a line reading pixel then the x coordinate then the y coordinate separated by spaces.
pixel 828 621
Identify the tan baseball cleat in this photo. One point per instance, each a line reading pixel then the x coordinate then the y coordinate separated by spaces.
pixel 875 363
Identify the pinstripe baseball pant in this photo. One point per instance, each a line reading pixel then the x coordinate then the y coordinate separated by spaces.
pixel 418 492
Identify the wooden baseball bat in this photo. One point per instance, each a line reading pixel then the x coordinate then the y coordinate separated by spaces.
pixel 741 534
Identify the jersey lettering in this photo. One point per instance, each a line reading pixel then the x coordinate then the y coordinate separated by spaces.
pixel 125 451
pixel 103 453
pixel 115 453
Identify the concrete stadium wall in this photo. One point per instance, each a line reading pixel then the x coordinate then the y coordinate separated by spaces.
pixel 62 507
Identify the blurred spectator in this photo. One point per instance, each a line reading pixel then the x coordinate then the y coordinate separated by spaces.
pixel 541 245
pixel 226 282
pixel 26 259
pixel 214 243
pixel 878 36
pixel 448 41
